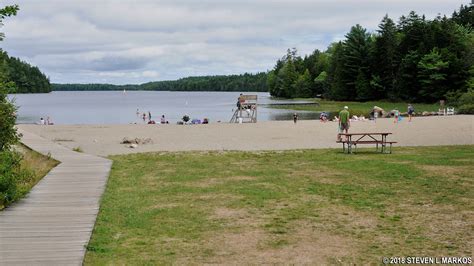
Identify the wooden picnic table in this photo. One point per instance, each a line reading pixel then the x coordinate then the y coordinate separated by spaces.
pixel 377 138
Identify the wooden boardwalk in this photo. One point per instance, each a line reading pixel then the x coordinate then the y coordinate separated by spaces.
pixel 54 223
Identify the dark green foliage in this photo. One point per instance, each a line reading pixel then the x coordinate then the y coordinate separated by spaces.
pixel 16 75
pixel 416 60
pixel 27 78
pixel 9 160
pixel 356 64
pixel 432 76
pixel 244 82
pixel 465 16
pixel 466 103
pixel 385 58
pixel 9 173
pixel 8 134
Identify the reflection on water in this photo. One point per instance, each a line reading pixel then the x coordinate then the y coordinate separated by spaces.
pixel 115 107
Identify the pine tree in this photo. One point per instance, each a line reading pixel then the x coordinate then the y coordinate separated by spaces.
pixel 385 57
pixel 432 74
pixel 356 61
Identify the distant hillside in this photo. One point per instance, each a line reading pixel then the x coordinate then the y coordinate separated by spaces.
pixel 244 82
pixel 27 78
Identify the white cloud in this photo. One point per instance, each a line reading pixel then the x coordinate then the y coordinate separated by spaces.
pixel 142 40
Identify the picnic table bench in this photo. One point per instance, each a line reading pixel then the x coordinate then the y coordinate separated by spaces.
pixel 377 138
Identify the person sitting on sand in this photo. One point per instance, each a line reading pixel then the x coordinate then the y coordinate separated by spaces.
pixel 41 122
pixel 163 119
pixel 48 121
pixel 323 117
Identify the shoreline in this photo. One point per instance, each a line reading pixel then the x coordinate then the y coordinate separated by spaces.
pixel 104 140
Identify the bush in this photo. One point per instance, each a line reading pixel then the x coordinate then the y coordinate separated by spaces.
pixel 9 174
pixel 466 109
pixel 8 134
pixel 466 98
pixel 466 103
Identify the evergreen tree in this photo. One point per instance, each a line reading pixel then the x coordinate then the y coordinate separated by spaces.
pixel 335 78
pixel 303 85
pixel 384 66
pixel 465 16
pixel 356 60
pixel 432 74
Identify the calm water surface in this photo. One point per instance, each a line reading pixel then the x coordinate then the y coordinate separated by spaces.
pixel 116 107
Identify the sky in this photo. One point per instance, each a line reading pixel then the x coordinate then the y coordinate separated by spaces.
pixel 136 41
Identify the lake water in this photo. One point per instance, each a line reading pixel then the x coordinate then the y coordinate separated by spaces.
pixel 117 107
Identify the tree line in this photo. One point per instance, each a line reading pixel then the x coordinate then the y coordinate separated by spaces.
pixel 23 77
pixel 416 59
pixel 243 82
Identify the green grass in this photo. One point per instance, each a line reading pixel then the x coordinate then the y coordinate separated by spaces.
pixel 33 168
pixel 318 206
pixel 360 108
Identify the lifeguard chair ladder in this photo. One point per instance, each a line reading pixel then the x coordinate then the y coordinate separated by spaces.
pixel 247 110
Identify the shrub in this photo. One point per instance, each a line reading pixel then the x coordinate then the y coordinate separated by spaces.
pixel 466 103
pixel 8 134
pixel 9 174
pixel 466 109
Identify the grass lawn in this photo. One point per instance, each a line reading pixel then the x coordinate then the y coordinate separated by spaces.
pixel 34 167
pixel 359 108
pixel 309 206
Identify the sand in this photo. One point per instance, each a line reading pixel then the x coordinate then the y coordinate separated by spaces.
pixel 104 140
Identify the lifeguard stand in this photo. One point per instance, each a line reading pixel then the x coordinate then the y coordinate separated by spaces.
pixel 247 110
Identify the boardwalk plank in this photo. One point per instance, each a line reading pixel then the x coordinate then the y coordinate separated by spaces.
pixel 53 224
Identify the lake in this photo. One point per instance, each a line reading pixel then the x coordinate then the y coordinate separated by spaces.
pixel 117 107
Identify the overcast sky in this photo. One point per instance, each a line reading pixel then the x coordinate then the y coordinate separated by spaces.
pixel 125 41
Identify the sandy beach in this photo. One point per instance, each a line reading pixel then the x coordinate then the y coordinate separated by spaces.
pixel 104 140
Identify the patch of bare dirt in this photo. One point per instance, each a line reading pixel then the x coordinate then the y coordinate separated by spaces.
pixel 444 170
pixel 306 246
pixel 441 225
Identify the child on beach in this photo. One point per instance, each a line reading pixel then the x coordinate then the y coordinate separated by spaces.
pixel 396 114
pixel 295 118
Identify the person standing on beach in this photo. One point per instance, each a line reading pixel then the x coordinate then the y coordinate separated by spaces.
pixel 138 113
pixel 396 115
pixel 295 118
pixel 144 117
pixel 149 116
pixel 411 111
pixel 344 121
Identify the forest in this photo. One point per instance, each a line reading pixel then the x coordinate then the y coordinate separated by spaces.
pixel 415 59
pixel 22 77
pixel 244 82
